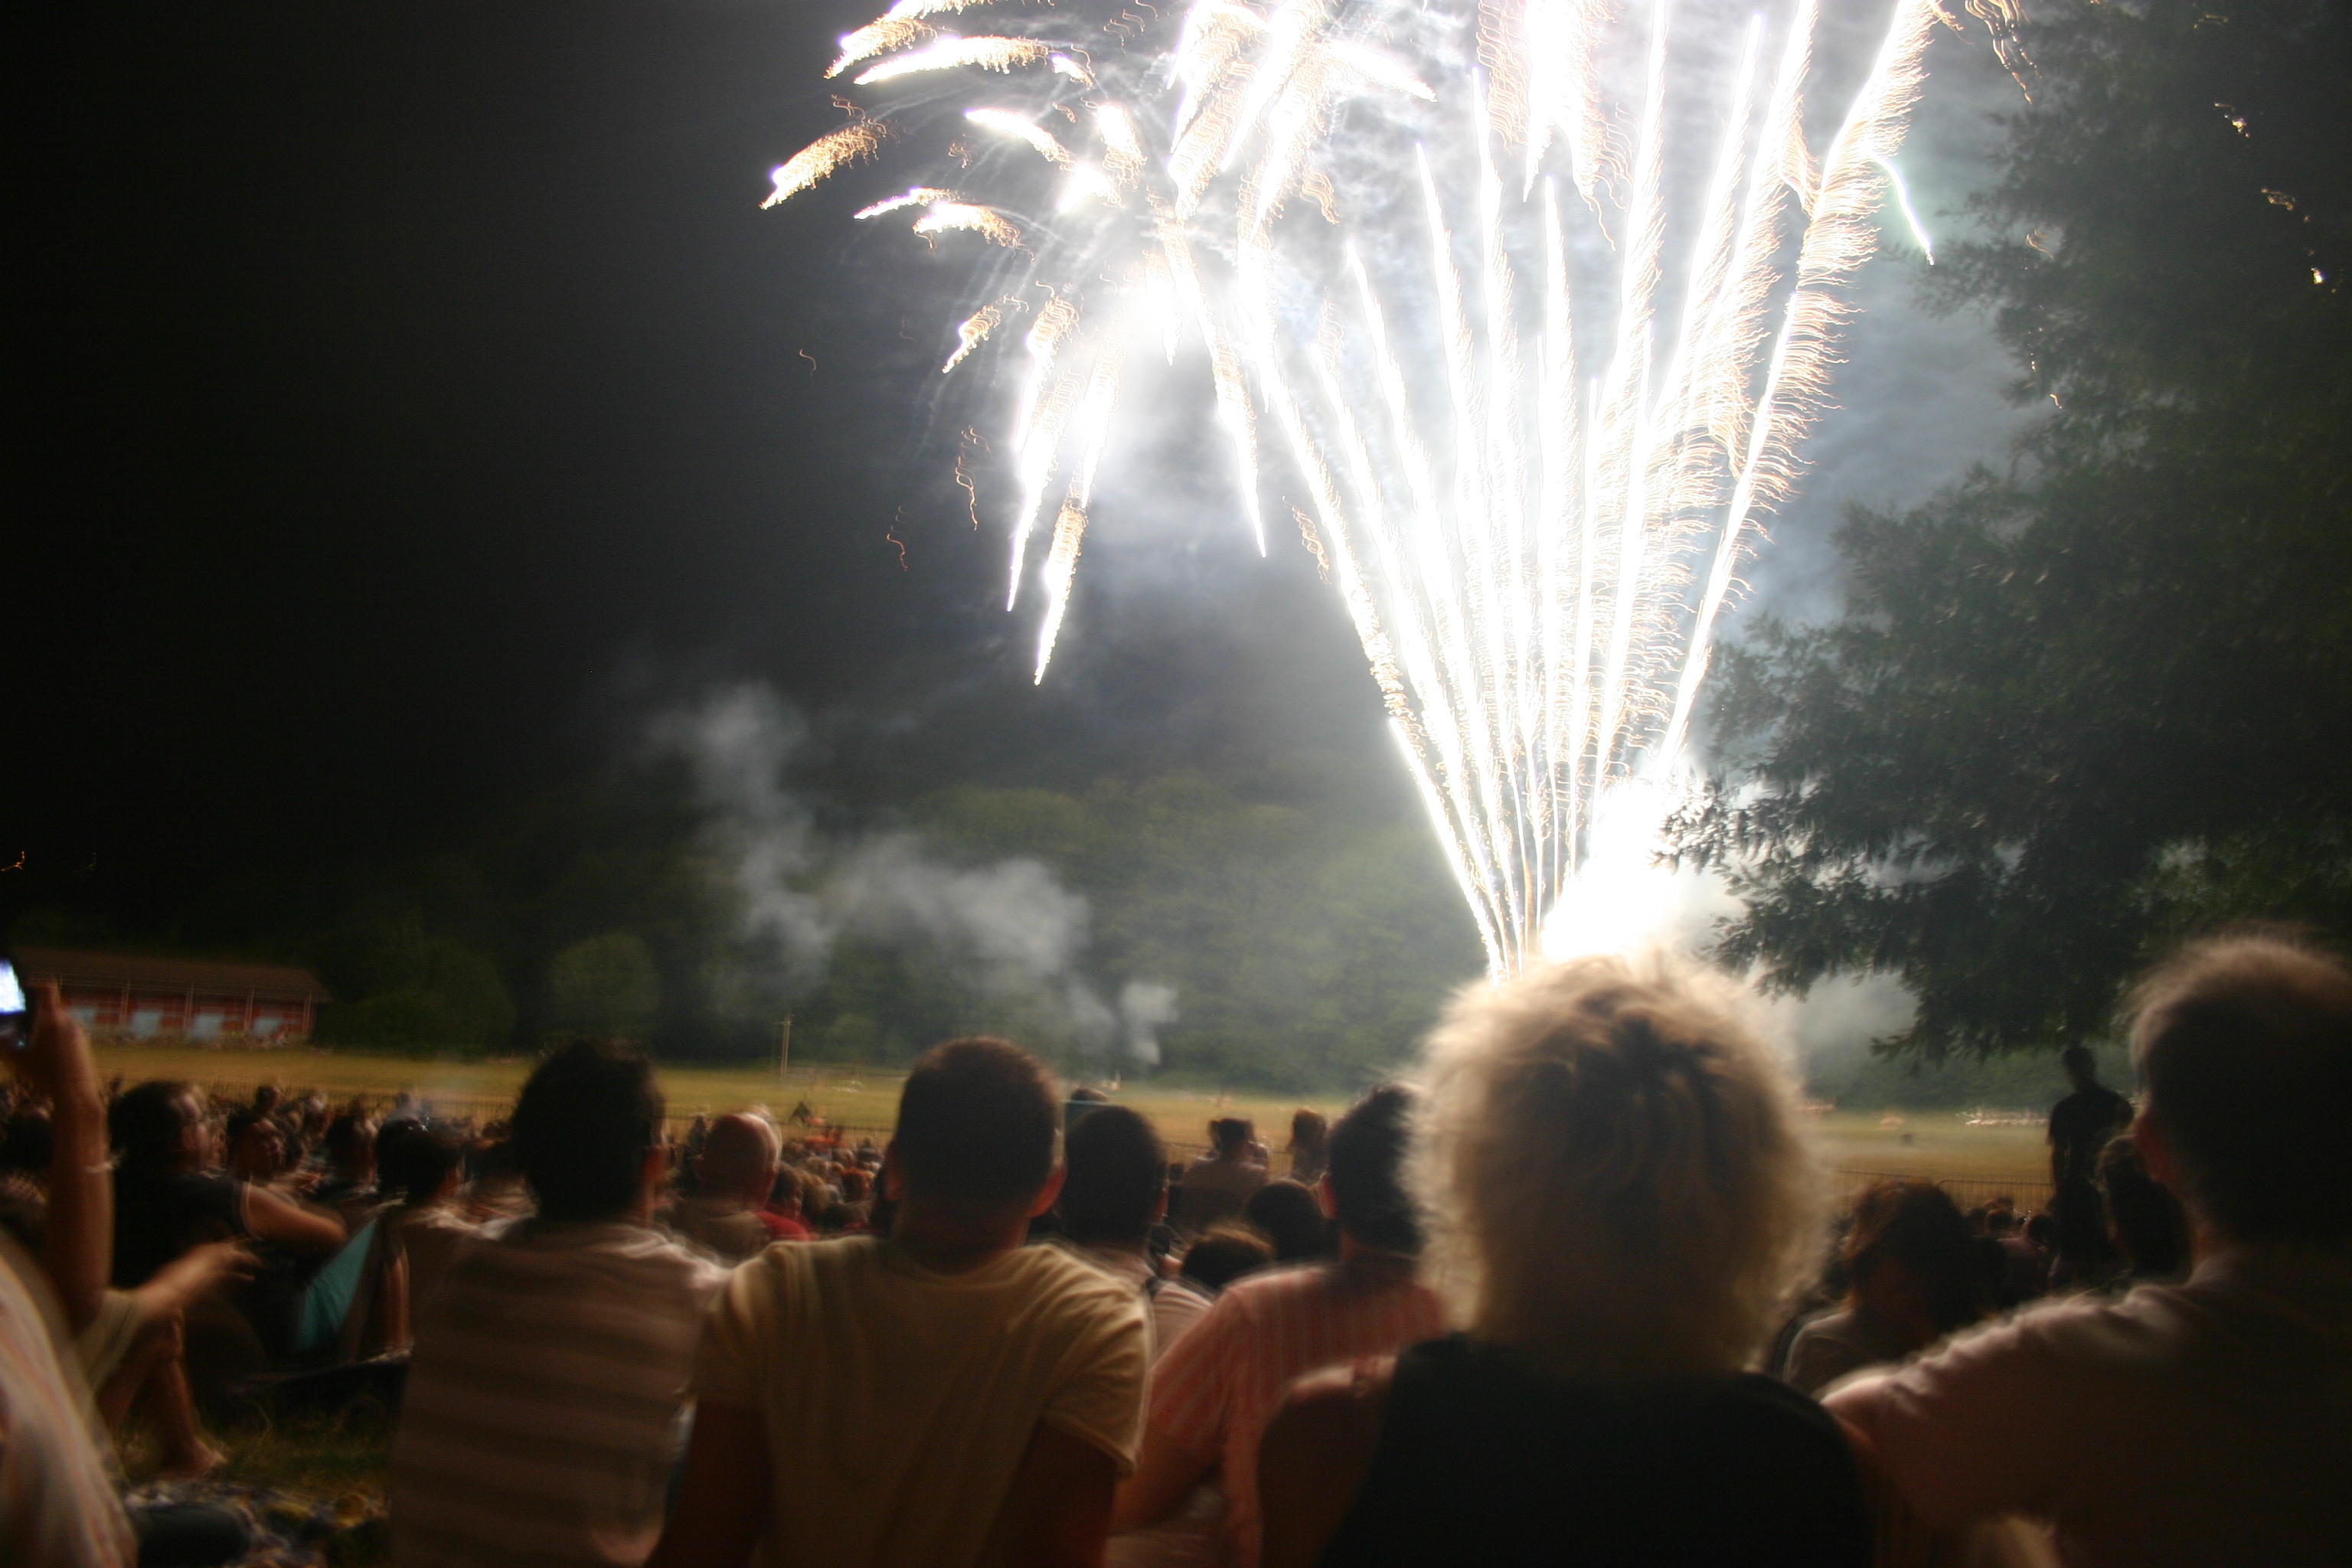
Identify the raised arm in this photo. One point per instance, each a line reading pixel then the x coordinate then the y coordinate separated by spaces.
pixel 278 1219
pixel 79 1251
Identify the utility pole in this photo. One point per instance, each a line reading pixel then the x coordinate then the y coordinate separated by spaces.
pixel 784 1046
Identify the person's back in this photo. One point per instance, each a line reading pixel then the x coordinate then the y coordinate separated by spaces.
pixel 2199 1423
pixel 538 1423
pixel 940 1398
pixel 913 1393
pixel 1475 1443
pixel 1215 1389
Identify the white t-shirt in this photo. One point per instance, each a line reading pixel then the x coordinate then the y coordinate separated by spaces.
pixel 2194 1425
pixel 897 1402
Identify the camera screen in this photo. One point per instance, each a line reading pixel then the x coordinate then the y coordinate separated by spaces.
pixel 12 994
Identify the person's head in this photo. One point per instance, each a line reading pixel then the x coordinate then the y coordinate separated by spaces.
pixel 978 1129
pixel 587 1128
pixel 1366 1174
pixel 31 1143
pixel 2080 1066
pixel 1912 1255
pixel 1308 1132
pixel 2000 1217
pixel 159 1125
pixel 350 1145
pixel 2042 1231
pixel 1231 1134
pixel 1291 1218
pixel 2244 1044
pixel 1223 1253
pixel 265 1099
pixel 739 1156
pixel 1114 1179
pixel 418 1165
pixel 1614 1169
pixel 257 1147
pixel 2143 1221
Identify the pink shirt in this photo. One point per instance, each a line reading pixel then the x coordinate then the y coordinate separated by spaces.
pixel 2196 1424
pixel 1215 1389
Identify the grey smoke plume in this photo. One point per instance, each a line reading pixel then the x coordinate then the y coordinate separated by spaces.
pixel 1010 926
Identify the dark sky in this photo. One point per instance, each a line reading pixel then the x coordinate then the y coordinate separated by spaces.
pixel 406 401
pixel 408 398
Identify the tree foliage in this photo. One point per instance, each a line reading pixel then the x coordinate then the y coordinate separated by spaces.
pixel 2075 708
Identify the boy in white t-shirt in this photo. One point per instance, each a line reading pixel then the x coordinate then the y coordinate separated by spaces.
pixel 943 1398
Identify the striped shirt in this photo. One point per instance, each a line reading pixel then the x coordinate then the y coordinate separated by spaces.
pixel 1215 1389
pixel 540 1425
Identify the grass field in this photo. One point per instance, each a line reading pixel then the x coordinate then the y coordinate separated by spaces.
pixel 1937 1145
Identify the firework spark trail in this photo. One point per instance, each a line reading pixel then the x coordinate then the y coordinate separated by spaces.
pixel 1533 561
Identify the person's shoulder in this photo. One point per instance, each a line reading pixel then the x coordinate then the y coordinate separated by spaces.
pixel 1064 1274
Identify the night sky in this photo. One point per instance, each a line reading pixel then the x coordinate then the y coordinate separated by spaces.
pixel 408 401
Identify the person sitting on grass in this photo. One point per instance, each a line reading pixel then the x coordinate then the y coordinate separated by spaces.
pixel 1115 1191
pixel 539 1423
pixel 59 1504
pixel 1216 1388
pixel 946 1395
pixel 421 1169
pixel 1293 1219
pixel 727 1214
pixel 2196 1423
pixel 1621 1200
pixel 1217 1185
pixel 1915 1273
pixel 1228 1250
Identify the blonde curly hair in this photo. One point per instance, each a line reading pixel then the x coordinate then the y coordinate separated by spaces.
pixel 1613 1170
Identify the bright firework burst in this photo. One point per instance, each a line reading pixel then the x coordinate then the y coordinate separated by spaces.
pixel 1430 249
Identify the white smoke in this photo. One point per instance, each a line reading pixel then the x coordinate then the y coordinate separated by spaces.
pixel 1010 926
pixel 1146 1006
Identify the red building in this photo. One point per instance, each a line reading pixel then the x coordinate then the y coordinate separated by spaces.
pixel 143 998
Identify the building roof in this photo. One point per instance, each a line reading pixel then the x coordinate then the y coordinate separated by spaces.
pixel 277 982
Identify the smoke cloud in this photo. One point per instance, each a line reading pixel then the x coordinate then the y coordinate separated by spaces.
pixel 1010 927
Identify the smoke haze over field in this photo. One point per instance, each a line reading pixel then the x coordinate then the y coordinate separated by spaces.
pixel 1009 927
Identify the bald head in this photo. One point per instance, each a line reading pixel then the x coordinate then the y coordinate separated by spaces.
pixel 738 1157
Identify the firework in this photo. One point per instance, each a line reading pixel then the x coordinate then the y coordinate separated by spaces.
pixel 1422 253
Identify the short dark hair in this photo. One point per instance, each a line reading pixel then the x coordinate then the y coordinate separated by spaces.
pixel 350 1137
pixel 1230 1131
pixel 2078 1060
pixel 1223 1253
pixel 1117 1171
pixel 978 1120
pixel 240 1121
pixel 412 1160
pixel 1286 1211
pixel 582 1127
pixel 1366 1171
pixel 146 1123
pixel 2245 1045
pixel 31 1143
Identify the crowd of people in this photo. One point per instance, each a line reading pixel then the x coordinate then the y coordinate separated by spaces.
pixel 1575 1294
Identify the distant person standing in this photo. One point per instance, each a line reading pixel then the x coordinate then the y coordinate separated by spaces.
pixel 2079 1126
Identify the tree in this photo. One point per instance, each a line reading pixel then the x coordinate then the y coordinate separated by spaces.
pixel 605 985
pixel 2072 711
